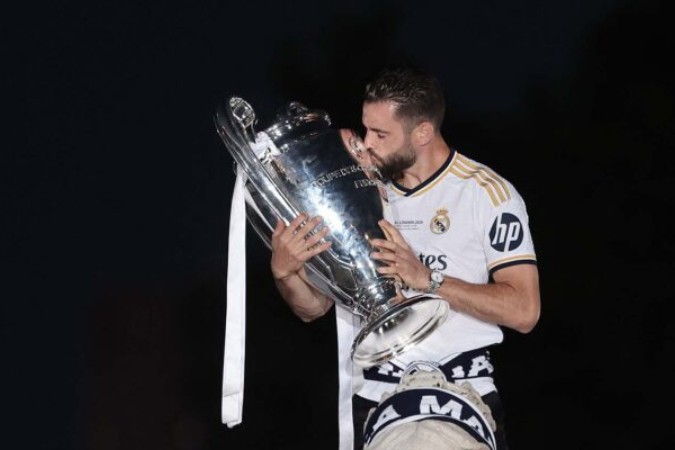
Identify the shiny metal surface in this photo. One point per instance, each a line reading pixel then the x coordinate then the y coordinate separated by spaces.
pixel 300 163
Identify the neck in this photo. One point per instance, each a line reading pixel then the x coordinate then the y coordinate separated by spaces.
pixel 430 158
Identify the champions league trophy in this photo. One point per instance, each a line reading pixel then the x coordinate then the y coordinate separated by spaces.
pixel 300 163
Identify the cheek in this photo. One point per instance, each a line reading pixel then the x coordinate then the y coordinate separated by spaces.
pixel 381 152
pixel 396 146
pixel 389 145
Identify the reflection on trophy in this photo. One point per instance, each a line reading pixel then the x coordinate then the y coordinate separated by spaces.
pixel 300 163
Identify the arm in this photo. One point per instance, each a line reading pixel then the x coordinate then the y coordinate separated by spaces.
pixel 512 300
pixel 292 246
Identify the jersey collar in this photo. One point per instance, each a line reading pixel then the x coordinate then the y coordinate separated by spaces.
pixel 408 192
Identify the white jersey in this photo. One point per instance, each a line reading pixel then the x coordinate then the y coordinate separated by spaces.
pixel 467 222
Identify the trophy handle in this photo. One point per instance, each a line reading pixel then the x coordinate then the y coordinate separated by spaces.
pixel 235 127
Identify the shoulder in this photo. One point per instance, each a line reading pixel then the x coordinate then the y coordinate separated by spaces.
pixel 486 182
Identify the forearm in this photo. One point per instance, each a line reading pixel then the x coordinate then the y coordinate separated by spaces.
pixel 512 300
pixel 306 302
pixel 504 303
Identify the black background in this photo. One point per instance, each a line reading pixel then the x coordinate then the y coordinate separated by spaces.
pixel 116 192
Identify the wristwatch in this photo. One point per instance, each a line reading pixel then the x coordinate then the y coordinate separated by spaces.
pixel 436 278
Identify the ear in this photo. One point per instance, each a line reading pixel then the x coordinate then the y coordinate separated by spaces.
pixel 423 133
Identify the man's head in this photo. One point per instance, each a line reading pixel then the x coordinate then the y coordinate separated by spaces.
pixel 417 96
pixel 403 110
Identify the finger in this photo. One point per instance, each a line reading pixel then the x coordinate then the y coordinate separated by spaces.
pixel 298 222
pixel 313 223
pixel 317 248
pixel 390 231
pixel 384 256
pixel 391 271
pixel 307 230
pixel 386 227
pixel 279 228
pixel 384 244
pixel 316 237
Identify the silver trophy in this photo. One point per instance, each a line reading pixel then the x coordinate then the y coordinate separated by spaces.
pixel 301 164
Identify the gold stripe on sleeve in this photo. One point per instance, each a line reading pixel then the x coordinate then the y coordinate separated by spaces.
pixel 490 181
pixel 489 189
pixel 499 262
pixel 499 181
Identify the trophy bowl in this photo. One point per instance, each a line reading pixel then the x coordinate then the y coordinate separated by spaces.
pixel 300 163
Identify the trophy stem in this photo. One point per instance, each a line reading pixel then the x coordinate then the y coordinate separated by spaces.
pixel 397 326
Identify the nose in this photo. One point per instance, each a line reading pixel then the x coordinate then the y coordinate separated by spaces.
pixel 367 140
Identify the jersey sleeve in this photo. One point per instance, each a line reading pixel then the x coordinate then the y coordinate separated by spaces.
pixel 507 239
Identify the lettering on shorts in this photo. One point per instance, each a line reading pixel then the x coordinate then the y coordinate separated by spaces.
pixel 429 403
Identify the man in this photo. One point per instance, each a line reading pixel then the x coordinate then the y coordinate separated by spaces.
pixel 454 228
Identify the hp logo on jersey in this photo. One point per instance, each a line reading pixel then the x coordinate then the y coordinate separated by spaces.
pixel 506 233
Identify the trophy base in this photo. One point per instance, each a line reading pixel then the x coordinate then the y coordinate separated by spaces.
pixel 398 329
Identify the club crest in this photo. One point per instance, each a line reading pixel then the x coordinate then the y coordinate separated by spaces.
pixel 440 223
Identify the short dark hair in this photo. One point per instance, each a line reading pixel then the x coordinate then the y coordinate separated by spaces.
pixel 417 94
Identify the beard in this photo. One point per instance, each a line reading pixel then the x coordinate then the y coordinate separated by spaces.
pixel 392 167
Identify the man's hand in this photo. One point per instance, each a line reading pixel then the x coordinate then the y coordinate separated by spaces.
pixel 296 243
pixel 402 263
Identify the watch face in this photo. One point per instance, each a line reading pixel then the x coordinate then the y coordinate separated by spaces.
pixel 437 276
